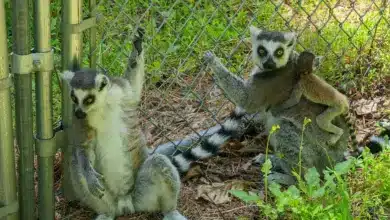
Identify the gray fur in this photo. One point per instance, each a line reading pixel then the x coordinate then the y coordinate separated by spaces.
pixel 147 184
pixel 260 91
pixel 84 79
pixel 267 91
pixel 272 36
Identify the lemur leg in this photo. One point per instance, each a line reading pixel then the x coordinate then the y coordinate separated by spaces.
pixel 233 86
pixel 324 121
pixel 135 70
pixel 157 189
pixel 83 177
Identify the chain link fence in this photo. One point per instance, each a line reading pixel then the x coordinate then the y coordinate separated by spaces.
pixel 179 96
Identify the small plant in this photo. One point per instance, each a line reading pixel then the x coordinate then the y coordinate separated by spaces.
pixel 354 189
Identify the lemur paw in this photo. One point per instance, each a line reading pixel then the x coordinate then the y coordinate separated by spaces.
pixel 104 217
pixel 94 181
pixel 137 47
pixel 138 39
pixel 208 57
pixel 174 215
pixel 333 140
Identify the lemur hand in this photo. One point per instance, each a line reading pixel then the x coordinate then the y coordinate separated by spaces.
pixel 93 178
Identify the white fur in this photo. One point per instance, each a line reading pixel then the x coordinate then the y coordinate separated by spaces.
pixel 230 124
pixel 125 205
pixel 239 111
pixel 67 75
pixel 217 139
pixel 200 153
pixel 379 140
pixel 111 130
pixel 182 162
pixel 270 46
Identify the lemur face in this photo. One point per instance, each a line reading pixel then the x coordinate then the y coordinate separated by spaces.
pixel 271 49
pixel 88 90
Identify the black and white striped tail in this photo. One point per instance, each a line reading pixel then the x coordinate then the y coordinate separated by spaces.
pixel 375 144
pixel 210 146
pixel 352 131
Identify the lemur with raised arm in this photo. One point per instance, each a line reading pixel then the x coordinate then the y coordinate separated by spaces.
pixel 112 172
pixel 271 50
pixel 267 90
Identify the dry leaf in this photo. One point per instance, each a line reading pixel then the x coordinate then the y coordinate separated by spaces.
pixel 193 172
pixel 364 107
pixel 218 192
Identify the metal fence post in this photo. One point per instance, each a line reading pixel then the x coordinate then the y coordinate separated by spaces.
pixel 23 106
pixel 45 145
pixel 71 58
pixel 8 196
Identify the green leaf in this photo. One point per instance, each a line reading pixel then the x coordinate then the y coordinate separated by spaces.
pixel 293 191
pixel 319 192
pixel 343 167
pixel 275 189
pixel 244 196
pixel 312 177
pixel 266 167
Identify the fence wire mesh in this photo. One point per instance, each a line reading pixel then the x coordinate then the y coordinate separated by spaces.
pixel 180 97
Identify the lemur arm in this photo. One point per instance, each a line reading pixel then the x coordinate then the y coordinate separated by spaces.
pixel 85 170
pixel 135 69
pixel 234 87
pixel 294 98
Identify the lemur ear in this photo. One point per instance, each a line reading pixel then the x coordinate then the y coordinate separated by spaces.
pixel 254 31
pixel 67 76
pixel 101 82
pixel 291 38
pixel 317 61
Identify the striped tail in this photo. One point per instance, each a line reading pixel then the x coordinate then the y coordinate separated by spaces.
pixel 352 130
pixel 375 144
pixel 210 146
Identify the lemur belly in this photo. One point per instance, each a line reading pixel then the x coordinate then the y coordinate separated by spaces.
pixel 112 161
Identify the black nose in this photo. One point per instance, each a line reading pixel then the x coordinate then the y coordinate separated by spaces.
pixel 80 114
pixel 269 64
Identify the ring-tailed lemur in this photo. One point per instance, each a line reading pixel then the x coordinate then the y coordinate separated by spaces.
pixel 270 50
pixel 127 179
pixel 266 90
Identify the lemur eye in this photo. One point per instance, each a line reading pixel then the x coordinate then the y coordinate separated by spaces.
pixel 279 52
pixel 262 51
pixel 73 97
pixel 89 100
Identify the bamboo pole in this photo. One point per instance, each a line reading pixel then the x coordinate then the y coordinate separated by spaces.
pixel 71 58
pixel 23 111
pixel 7 158
pixel 44 116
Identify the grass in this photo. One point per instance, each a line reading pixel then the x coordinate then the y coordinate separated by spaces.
pixel 354 38
pixel 353 189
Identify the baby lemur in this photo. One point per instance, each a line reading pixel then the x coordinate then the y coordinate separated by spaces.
pixel 319 91
pixel 113 174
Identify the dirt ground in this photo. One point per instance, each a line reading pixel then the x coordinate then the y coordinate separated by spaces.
pixel 204 190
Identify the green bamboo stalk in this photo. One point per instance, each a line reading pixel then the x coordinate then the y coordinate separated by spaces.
pixel 44 116
pixel 92 43
pixel 71 59
pixel 7 158
pixel 23 105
